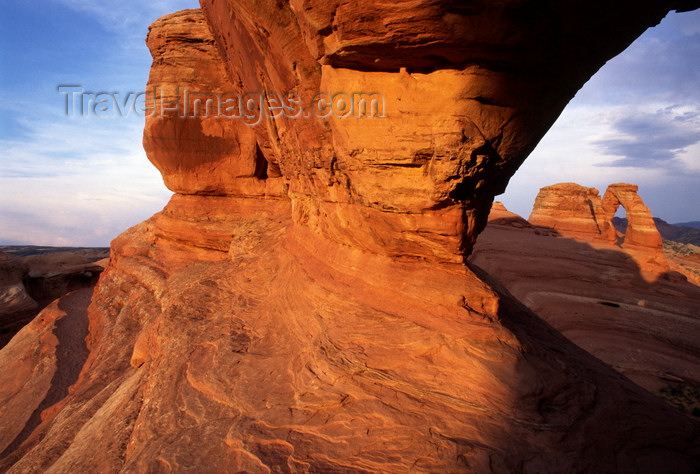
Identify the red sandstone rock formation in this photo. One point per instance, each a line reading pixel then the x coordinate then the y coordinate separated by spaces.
pixel 481 84
pixel 29 283
pixel 302 304
pixel 641 230
pixel 503 216
pixel 572 210
pixel 578 212
pixel 201 153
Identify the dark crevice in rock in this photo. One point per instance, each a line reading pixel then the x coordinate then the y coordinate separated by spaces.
pixel 71 354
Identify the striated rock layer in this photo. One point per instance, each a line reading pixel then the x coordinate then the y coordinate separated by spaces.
pixel 302 303
pixel 579 212
pixel 571 210
pixel 641 230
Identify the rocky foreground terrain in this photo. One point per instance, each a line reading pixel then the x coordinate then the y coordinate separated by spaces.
pixel 628 308
pixel 32 277
pixel 302 304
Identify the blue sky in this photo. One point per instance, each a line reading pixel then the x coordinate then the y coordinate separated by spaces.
pixel 637 121
pixel 83 180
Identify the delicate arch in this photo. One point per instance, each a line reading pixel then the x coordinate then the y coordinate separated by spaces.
pixel 641 228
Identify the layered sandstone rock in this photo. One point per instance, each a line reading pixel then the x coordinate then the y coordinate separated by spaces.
pixel 29 283
pixel 186 136
pixel 468 91
pixel 571 210
pixel 641 230
pixel 578 212
pixel 318 316
pixel 39 365
pixel 503 216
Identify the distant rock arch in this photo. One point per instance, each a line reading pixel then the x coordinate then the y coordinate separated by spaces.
pixel 579 212
pixel 641 229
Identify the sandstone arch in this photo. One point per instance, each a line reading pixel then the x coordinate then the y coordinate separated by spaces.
pixel 579 212
pixel 327 323
pixel 641 229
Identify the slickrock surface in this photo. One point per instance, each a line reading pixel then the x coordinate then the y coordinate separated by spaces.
pixel 313 312
pixel 39 365
pixel 594 293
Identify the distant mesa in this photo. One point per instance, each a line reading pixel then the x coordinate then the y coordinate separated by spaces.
pixel 692 224
pixel 687 233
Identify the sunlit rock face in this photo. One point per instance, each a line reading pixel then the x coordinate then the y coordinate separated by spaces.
pixel 302 304
pixel 196 149
pixel 641 230
pixel 468 89
pixel 572 210
pixel 578 212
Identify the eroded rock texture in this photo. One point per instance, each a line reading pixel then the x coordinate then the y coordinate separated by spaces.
pixel 29 283
pixel 578 212
pixel 641 229
pixel 482 83
pixel 572 210
pixel 16 304
pixel 302 303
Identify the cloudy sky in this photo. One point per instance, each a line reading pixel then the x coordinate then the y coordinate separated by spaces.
pixel 636 121
pixel 83 180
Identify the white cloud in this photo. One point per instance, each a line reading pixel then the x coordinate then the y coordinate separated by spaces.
pixel 82 181
pixel 640 114
pixel 588 139
pixel 76 182
pixel 648 136
pixel 661 65
pixel 128 17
